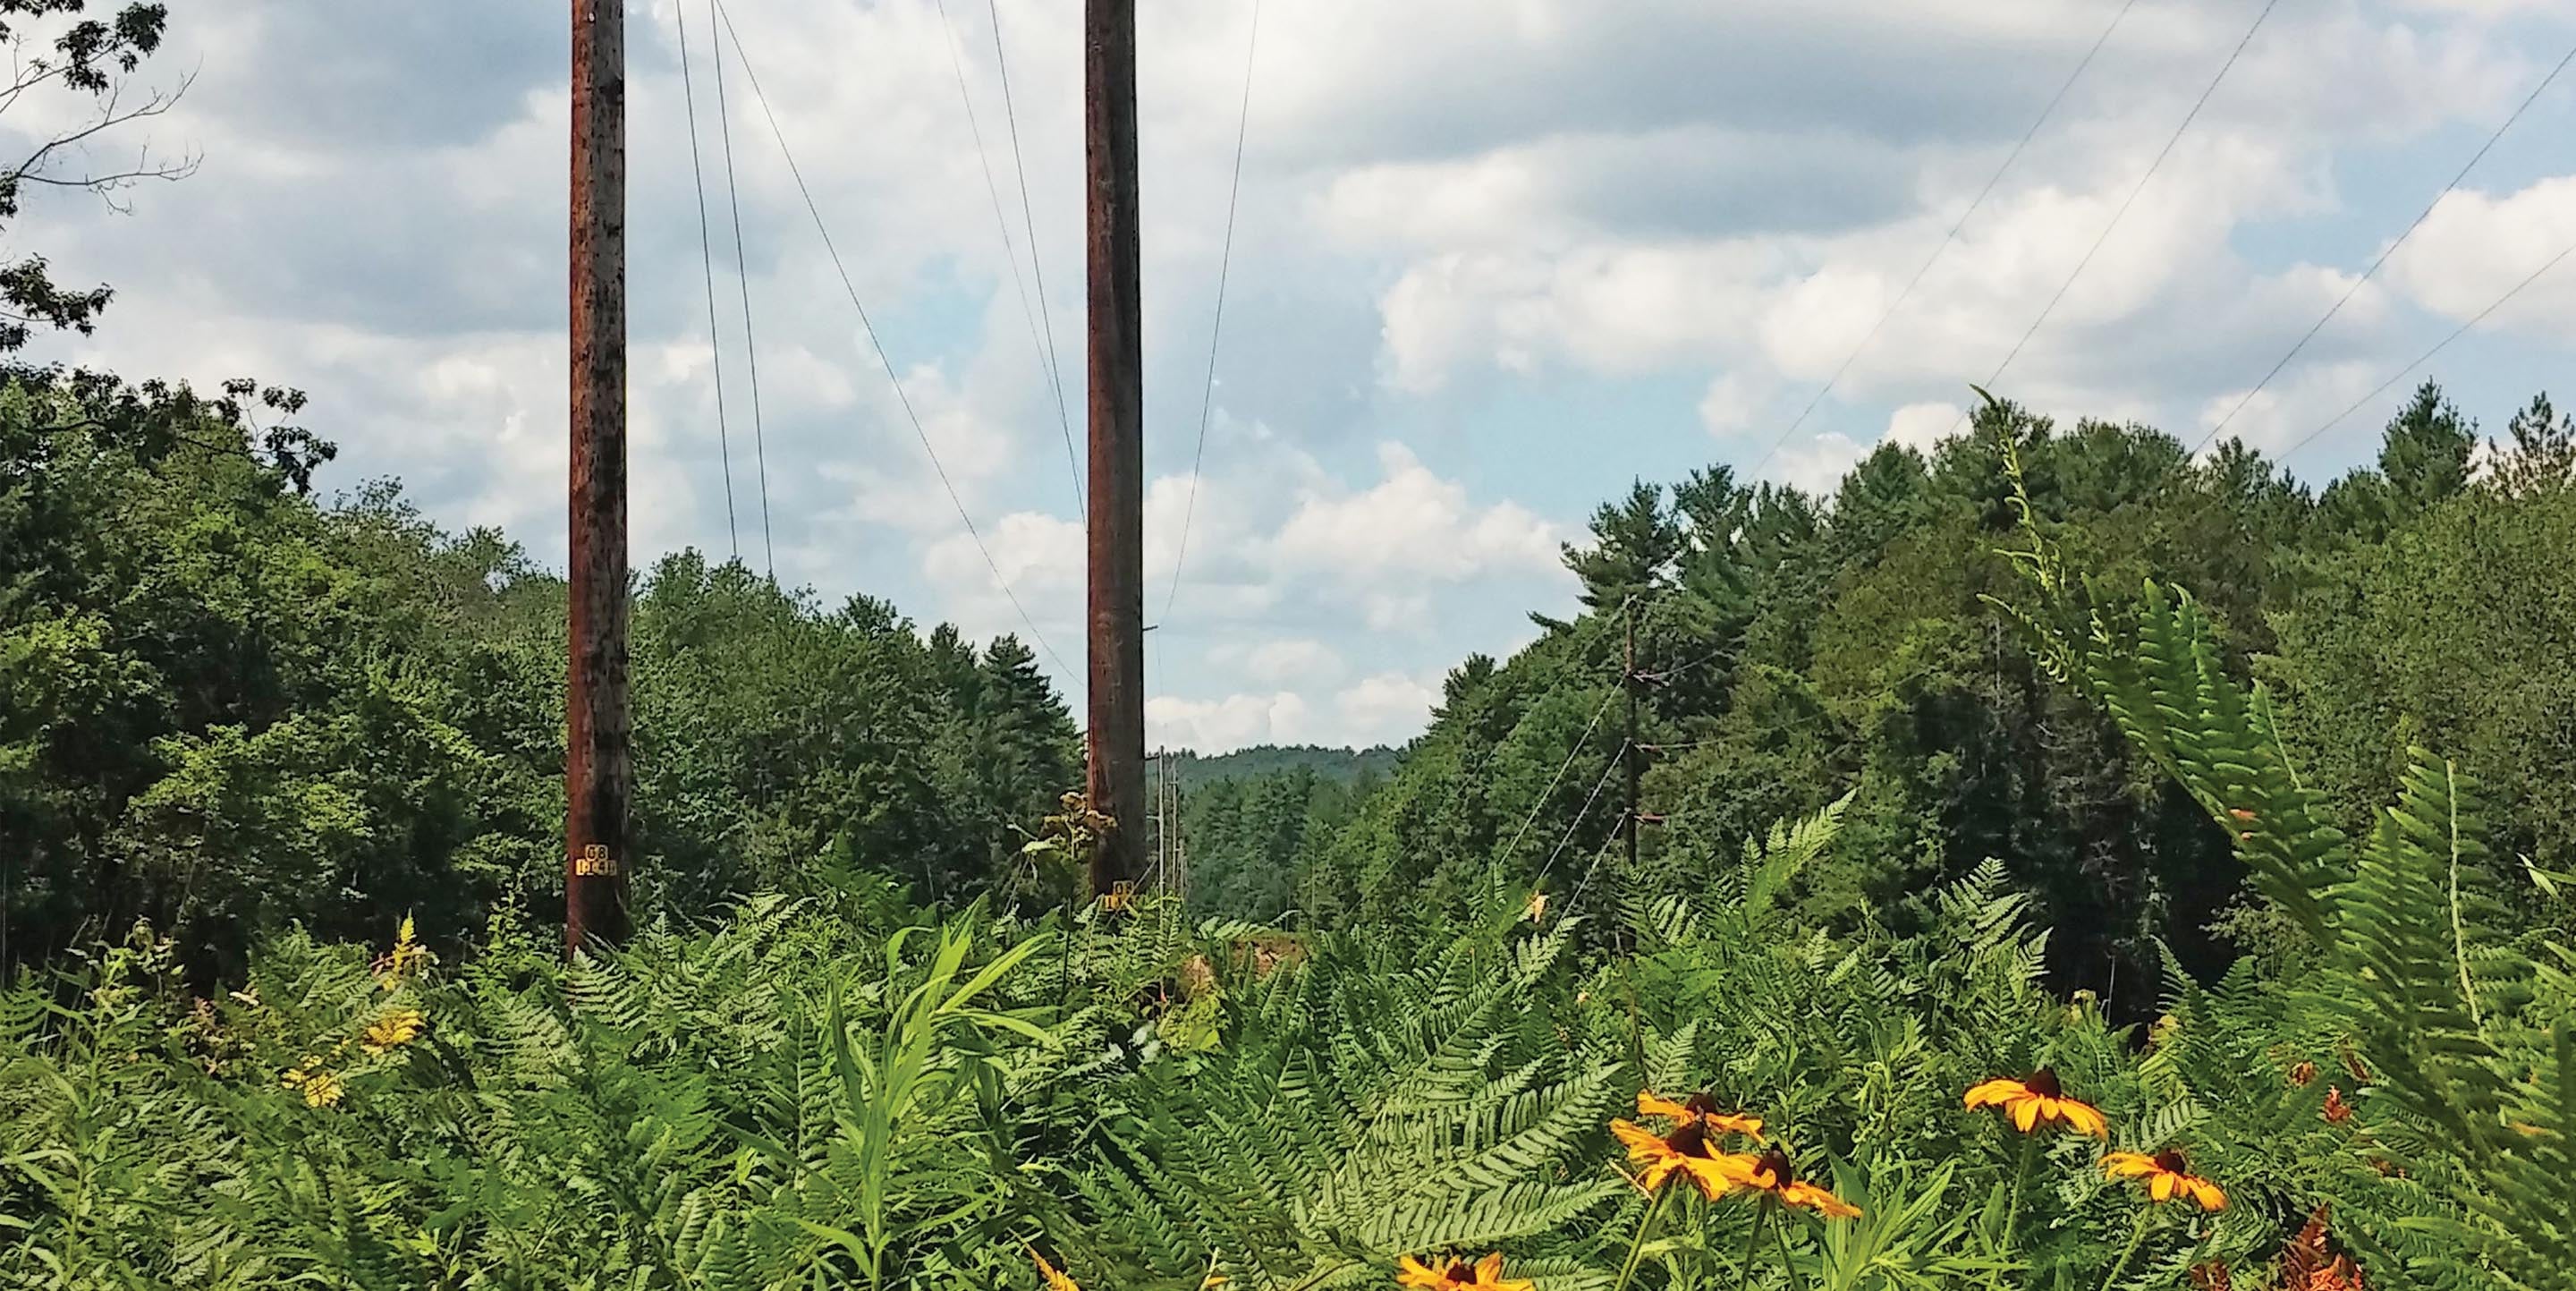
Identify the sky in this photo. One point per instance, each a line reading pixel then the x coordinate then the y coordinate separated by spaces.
pixel 1493 260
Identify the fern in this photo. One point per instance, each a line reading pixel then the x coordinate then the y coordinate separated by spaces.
pixel 2463 1068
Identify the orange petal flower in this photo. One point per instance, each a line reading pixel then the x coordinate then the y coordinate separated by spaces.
pixel 1457 1275
pixel 2168 1176
pixel 1774 1173
pixel 2039 1099
pixel 1684 1151
pixel 1055 1280
pixel 1701 1107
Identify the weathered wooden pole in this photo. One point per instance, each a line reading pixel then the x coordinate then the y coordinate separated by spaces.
pixel 1116 671
pixel 1630 755
pixel 598 772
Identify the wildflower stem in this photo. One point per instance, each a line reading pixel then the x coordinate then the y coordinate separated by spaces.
pixel 1788 1261
pixel 1637 1245
pixel 2136 1240
pixel 2012 1208
pixel 1753 1246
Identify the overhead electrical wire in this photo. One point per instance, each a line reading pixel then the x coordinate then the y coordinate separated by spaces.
pixel 1580 813
pixel 1010 252
pixel 742 276
pixel 1216 325
pixel 2427 356
pixel 707 261
pixel 1028 219
pixel 2125 203
pixel 2385 253
pixel 867 325
pixel 1948 240
pixel 1540 803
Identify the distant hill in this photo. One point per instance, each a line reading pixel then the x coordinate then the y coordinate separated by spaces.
pixel 1344 765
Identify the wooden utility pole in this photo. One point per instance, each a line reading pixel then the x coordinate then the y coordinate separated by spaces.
pixel 1116 674
pixel 1631 756
pixel 598 772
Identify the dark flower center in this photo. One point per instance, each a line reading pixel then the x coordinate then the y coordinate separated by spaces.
pixel 2043 1082
pixel 2170 1161
pixel 1776 1164
pixel 1700 1104
pixel 1691 1140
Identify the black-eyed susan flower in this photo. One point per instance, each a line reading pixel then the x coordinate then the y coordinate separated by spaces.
pixel 1456 1275
pixel 1700 1107
pixel 320 1085
pixel 1685 1151
pixel 391 1031
pixel 2168 1176
pixel 1774 1173
pixel 2039 1099
pixel 1055 1278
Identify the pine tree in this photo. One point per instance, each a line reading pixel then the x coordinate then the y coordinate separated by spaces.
pixel 1635 543
pixel 2425 456
pixel 2542 458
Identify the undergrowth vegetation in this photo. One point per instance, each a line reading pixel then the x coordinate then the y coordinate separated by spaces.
pixel 1707 1086
pixel 845 1090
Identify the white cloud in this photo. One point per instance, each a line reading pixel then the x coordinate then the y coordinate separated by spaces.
pixel 1729 404
pixel 1921 425
pixel 1388 708
pixel 2286 412
pixel 1295 659
pixel 1217 725
pixel 1818 464
pixel 2475 247
pixel 1397 612
pixel 1413 522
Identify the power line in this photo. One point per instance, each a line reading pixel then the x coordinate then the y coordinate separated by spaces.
pixel 1010 252
pixel 1580 813
pixel 1216 326
pixel 1949 239
pixel 1604 850
pixel 707 261
pixel 2426 213
pixel 1540 804
pixel 2427 356
pixel 2126 203
pixel 1037 265
pixel 742 276
pixel 902 396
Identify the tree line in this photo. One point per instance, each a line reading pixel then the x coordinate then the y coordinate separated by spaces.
pixel 231 706
pixel 1798 648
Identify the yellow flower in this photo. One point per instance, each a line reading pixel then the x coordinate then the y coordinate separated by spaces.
pixel 1055 1281
pixel 1773 1173
pixel 1684 1151
pixel 2168 1176
pixel 398 963
pixel 1535 907
pixel 321 1087
pixel 1700 1107
pixel 1451 1275
pixel 2037 1099
pixel 392 1031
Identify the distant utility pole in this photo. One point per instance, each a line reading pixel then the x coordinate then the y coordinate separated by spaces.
pixel 598 772
pixel 1631 756
pixel 1116 729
